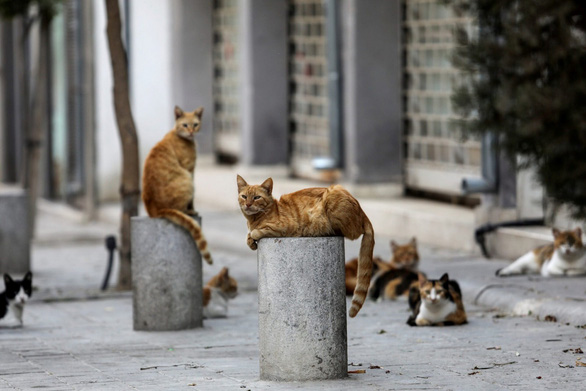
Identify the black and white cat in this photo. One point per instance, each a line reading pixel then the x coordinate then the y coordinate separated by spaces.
pixel 15 296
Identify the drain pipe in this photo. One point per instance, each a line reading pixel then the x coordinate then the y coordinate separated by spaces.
pixel 488 184
pixel 334 160
pixel 489 180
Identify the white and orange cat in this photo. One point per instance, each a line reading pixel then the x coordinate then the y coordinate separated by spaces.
pixel 566 256
pixel 167 181
pixel 216 293
pixel 309 212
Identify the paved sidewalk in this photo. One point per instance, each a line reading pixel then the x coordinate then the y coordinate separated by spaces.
pixel 76 338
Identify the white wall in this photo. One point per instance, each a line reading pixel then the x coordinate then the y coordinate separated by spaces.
pixel 150 82
pixel 150 75
pixel 108 152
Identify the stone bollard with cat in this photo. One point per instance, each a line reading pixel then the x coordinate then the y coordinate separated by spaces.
pixel 299 238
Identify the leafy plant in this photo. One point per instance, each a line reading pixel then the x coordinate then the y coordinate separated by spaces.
pixel 526 67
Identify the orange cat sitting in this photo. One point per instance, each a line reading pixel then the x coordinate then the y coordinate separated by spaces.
pixel 167 181
pixel 309 212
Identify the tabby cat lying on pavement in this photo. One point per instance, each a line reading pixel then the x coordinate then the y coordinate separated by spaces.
pixel 391 279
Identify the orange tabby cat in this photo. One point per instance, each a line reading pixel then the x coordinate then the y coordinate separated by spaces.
pixel 167 181
pixel 405 256
pixel 309 212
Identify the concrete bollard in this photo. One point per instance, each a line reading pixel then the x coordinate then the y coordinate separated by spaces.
pixel 15 235
pixel 302 309
pixel 166 276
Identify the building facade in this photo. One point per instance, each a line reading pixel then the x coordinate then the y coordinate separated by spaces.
pixel 356 91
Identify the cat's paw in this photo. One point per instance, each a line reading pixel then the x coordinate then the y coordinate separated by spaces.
pixel 503 273
pixel 251 243
pixel 422 322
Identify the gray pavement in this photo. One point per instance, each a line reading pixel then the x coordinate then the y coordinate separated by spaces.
pixel 77 338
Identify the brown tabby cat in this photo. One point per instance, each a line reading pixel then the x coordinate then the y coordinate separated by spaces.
pixel 216 293
pixel 392 283
pixel 387 275
pixel 436 303
pixel 167 181
pixel 309 212
pixel 352 271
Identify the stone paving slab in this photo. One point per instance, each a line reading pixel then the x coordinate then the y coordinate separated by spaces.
pixel 85 347
pixel 72 343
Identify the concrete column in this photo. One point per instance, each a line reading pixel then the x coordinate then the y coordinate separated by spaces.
pixel 265 132
pixel 302 309
pixel 192 69
pixel 15 235
pixel 166 276
pixel 371 52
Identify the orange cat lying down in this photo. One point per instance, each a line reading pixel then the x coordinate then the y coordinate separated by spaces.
pixel 309 212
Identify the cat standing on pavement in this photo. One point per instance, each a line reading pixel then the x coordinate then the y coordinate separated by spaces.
pixel 436 303
pixel 216 293
pixel 309 212
pixel 566 256
pixel 15 296
pixel 167 181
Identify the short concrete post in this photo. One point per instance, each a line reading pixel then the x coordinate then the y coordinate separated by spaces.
pixel 302 309
pixel 15 235
pixel 166 276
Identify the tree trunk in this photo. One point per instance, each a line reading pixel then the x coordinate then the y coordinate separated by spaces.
pixel 129 188
pixel 35 132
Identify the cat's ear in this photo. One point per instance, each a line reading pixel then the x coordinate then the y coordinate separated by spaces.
pixel 178 112
pixel 394 245
pixel 556 232
pixel 413 241
pixel 444 278
pixel 28 276
pixel 422 279
pixel 224 272
pixel 268 185
pixel 578 232
pixel 7 280
pixel 241 183
pixel 198 112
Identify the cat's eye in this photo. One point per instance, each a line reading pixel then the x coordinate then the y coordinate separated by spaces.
pixel 184 125
pixel 243 196
pixel 256 198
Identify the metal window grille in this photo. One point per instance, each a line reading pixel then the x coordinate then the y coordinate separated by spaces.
pixel 308 94
pixel 226 86
pixel 436 158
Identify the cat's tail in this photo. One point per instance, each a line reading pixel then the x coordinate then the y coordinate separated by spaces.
pixel 364 268
pixel 192 227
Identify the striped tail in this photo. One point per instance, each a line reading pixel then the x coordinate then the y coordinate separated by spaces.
pixel 183 220
pixel 364 268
